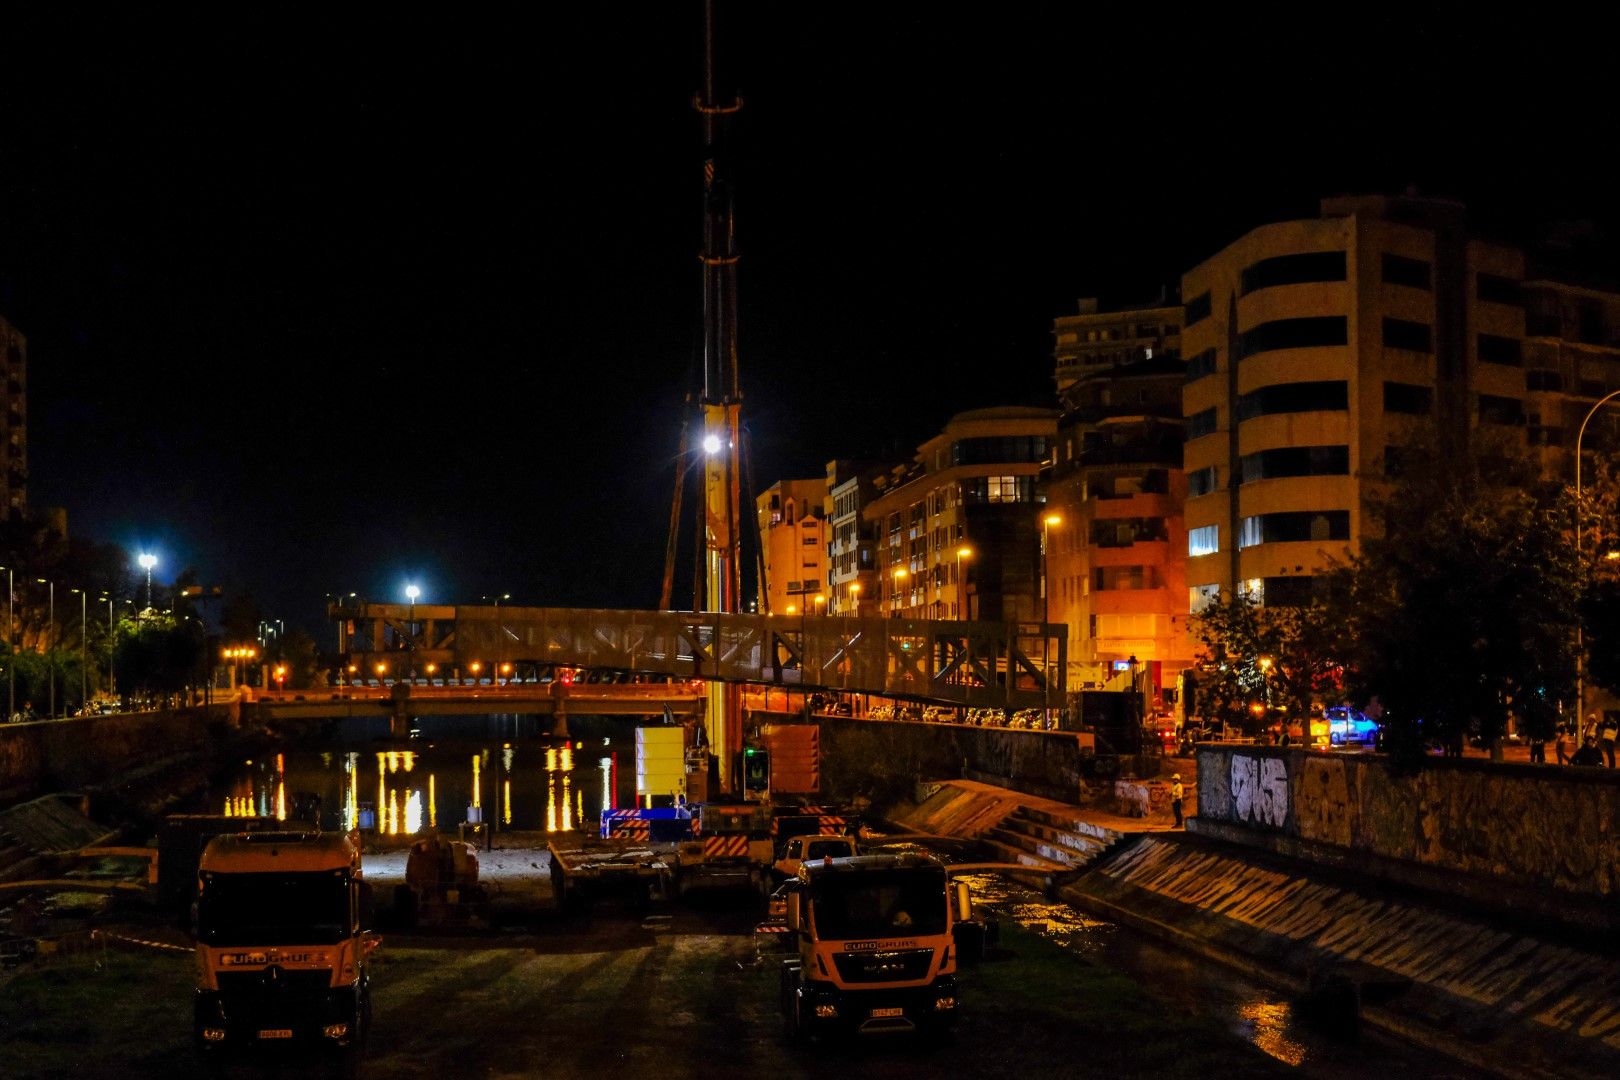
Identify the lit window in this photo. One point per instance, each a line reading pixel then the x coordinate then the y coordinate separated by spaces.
pixel 1205 540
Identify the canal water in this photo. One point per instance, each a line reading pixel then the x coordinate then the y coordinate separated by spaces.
pixel 1185 983
pixel 495 770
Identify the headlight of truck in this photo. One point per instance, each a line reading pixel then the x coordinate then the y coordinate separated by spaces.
pixel 826 1012
pixel 213 1034
pixel 335 1031
pixel 944 1004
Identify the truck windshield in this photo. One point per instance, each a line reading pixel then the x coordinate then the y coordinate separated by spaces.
pixel 879 904
pixel 274 909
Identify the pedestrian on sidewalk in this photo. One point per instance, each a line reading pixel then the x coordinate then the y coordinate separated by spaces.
pixel 1608 733
pixel 1561 744
pixel 1588 754
pixel 1538 751
pixel 1176 793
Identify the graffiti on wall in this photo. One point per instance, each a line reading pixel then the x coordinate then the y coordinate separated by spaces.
pixel 1259 790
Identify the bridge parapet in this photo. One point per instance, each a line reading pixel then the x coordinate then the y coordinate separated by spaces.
pixel 996 665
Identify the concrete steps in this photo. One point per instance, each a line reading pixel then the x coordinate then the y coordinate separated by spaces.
pixel 1049 841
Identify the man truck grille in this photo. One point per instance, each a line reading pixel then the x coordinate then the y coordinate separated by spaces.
pixel 906 965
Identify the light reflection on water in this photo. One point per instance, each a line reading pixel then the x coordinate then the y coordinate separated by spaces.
pixel 1256 1013
pixel 547 785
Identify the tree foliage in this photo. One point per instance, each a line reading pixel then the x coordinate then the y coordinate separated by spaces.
pixel 1279 658
pixel 1462 615
pixel 158 654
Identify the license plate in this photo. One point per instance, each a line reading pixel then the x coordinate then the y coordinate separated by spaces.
pixel 888 1012
pixel 276 1033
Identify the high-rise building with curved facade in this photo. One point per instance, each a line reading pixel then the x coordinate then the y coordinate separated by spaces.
pixel 1313 348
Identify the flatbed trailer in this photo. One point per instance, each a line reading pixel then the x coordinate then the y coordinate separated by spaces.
pixel 584 868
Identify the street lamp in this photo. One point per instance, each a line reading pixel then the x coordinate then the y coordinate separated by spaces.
pixel 84 649
pixel 11 647
pixel 963 552
pixel 50 633
pixel 1580 623
pixel 1048 523
pixel 411 593
pixel 900 574
pixel 854 598
pixel 147 562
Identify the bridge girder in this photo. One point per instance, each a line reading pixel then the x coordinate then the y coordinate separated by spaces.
pixel 952 662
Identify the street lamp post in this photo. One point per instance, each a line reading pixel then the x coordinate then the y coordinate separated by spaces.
pixel 11 647
pixel 84 648
pixel 1048 523
pixel 900 574
pixel 854 599
pixel 1580 623
pixel 964 611
pixel 50 657
pixel 500 627
pixel 411 593
pixel 148 561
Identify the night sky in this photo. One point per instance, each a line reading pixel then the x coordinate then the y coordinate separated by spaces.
pixel 325 303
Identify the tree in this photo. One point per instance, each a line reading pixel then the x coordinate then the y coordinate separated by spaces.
pixel 1600 566
pixel 158 654
pixel 1256 655
pixel 1462 615
pixel 296 649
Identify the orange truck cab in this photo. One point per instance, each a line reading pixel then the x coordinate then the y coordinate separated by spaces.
pixel 282 953
pixel 876 945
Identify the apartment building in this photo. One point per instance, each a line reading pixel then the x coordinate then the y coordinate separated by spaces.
pixel 852 572
pixel 1312 348
pixel 1115 492
pixel 958 531
pixel 793 541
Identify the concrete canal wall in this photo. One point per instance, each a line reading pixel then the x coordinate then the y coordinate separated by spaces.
pixel 1528 839
pixel 1043 763
pixel 43 756
pixel 1513 1000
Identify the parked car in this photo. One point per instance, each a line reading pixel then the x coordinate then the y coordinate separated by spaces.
pixel 1348 726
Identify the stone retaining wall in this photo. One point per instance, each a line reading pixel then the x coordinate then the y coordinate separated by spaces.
pixel 1536 838
pixel 43 756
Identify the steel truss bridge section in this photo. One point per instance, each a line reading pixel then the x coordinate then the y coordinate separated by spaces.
pixel 951 662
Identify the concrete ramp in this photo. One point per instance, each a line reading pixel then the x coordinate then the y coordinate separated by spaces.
pixel 1510 1000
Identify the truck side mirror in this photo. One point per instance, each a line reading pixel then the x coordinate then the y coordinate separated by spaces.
pixel 795 912
pixel 964 902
